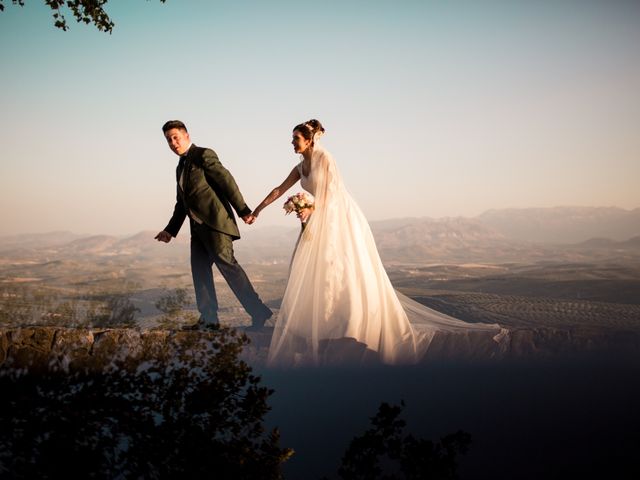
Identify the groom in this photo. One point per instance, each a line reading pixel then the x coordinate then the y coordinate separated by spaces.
pixel 206 194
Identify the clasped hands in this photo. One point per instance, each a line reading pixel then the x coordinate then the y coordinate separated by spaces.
pixel 249 219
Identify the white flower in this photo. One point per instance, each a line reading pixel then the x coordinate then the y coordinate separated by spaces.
pixel 298 202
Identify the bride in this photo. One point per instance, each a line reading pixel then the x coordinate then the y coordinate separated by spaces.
pixel 338 298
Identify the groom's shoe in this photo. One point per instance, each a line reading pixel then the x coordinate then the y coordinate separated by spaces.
pixel 201 325
pixel 258 321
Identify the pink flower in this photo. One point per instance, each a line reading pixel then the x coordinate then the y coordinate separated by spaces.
pixel 297 202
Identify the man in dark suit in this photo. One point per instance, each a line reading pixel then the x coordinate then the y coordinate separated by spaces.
pixel 208 194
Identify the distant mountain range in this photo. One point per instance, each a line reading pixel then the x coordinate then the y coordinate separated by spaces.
pixel 569 233
pixel 563 224
pixel 419 239
pixel 37 240
pixel 68 245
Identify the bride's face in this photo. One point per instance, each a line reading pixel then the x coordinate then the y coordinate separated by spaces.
pixel 300 144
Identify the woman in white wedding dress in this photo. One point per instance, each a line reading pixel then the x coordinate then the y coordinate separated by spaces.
pixel 339 302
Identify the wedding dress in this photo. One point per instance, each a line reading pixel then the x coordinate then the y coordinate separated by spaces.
pixel 339 304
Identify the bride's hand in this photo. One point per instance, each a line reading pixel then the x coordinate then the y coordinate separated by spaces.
pixel 304 214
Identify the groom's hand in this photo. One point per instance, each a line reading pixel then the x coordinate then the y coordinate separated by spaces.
pixel 249 219
pixel 163 236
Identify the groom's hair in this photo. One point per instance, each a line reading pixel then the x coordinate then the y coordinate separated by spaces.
pixel 173 124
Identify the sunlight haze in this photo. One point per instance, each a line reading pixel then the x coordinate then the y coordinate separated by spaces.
pixel 431 108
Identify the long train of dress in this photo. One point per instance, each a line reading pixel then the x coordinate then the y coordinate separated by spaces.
pixel 339 305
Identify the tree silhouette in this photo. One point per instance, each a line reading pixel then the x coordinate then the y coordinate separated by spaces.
pixel 85 11
pixel 383 453
pixel 197 413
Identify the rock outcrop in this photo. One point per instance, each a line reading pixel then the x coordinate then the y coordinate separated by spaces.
pixel 42 348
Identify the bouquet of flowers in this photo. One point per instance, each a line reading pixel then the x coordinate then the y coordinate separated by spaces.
pixel 297 202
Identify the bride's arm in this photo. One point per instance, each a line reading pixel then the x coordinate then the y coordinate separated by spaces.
pixel 277 192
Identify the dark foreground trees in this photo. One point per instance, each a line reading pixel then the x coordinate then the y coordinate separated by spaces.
pixel 383 452
pixel 196 413
pixel 85 11
pixel 170 405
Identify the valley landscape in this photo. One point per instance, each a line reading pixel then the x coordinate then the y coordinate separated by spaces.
pixel 562 404
pixel 474 269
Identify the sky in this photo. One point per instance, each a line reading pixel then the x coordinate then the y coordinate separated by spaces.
pixel 431 108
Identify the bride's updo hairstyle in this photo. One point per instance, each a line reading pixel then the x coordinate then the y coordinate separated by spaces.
pixel 310 130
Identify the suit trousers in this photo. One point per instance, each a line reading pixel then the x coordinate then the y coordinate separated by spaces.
pixel 208 247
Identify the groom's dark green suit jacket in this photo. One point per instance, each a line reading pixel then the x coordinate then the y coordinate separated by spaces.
pixel 208 192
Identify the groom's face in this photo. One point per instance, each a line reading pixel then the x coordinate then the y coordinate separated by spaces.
pixel 178 140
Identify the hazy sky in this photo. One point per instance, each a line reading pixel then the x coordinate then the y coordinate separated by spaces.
pixel 432 108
